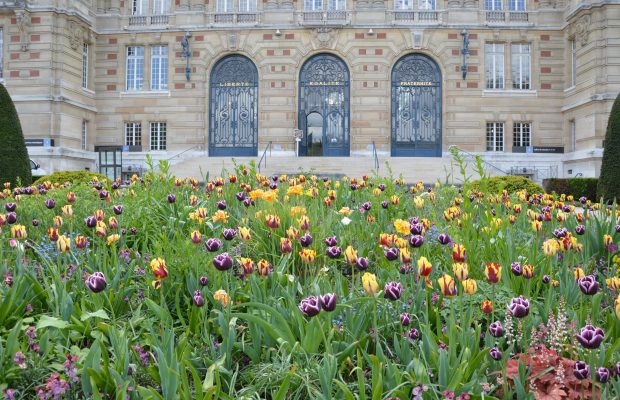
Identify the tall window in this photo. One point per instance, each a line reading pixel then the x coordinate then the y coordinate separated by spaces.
pixel 495 136
pixel 139 7
pixel 159 68
pixel 225 6
pixel 1 51
pixel 158 136
pixel 516 5
pixel 521 61
pixel 573 134
pixel 494 65
pixel 426 4
pixel 522 134
pixel 133 134
pixel 334 5
pixel 573 63
pixel 161 7
pixel 85 65
pixel 84 134
pixel 493 5
pixel 313 5
pixel 135 68
pixel 247 6
pixel 403 4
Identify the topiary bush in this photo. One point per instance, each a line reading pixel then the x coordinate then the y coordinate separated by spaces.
pixel 14 160
pixel 576 187
pixel 609 184
pixel 511 184
pixel 74 177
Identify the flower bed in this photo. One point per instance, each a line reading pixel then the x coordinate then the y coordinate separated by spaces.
pixel 301 287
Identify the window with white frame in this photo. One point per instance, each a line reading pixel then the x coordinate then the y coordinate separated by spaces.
pixel 85 65
pixel 135 68
pixel 403 5
pixel 133 134
pixel 493 5
pixel 336 5
pixel 521 66
pixel 516 5
pixel 84 134
pixel 573 134
pixel 495 136
pixel 426 4
pixel 161 7
pixel 494 65
pixel 247 6
pixel 573 63
pixel 1 51
pixel 225 6
pixel 159 68
pixel 522 134
pixel 313 5
pixel 139 7
pixel 158 136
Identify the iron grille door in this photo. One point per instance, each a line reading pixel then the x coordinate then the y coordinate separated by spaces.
pixel 233 108
pixel 416 107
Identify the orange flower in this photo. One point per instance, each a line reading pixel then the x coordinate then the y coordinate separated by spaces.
pixel 402 226
pixel 220 215
pixel 158 266
pixel 222 297
pixel 487 306
pixel 447 285
pixel 493 272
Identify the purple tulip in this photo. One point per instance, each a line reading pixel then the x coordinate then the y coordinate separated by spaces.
pixel 213 244
pixel 405 319
pixel 331 241
pixel 413 334
pixel 203 280
pixel 546 279
pixel 516 268
pixel 333 252
pixel 10 207
pixel 90 221
pixel 11 218
pixel 98 186
pixel 221 205
pixel 417 228
pixel 560 233
pixel 414 220
pixel 581 370
pixel 583 199
pixel 590 337
pixel 273 186
pixel 580 229
pixel 240 196
pixel 171 198
pixel 617 228
pixel 199 301
pixel 118 209
pixel 96 282
pixel 392 290
pixel 416 240
pixel 366 206
pixel 305 240
pixel 116 185
pixel 405 269
pixel 247 202
pixel 133 230
pixel 385 204
pixel 229 233
pixel 496 329
pixel 381 187
pixel 103 194
pixel 495 354
pixel 519 307
pixel 391 254
pixel 222 262
pixel 588 285
pixel 50 203
pixel 35 222
pixel 310 306
pixel 603 375
pixel 362 263
pixel 328 301
pixel 444 238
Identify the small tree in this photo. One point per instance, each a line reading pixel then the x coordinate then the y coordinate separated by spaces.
pixel 609 181
pixel 14 160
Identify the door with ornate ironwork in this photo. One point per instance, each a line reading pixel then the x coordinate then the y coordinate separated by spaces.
pixel 233 107
pixel 324 107
pixel 416 107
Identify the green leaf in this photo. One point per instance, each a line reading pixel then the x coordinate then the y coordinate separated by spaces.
pixel 47 321
pixel 99 314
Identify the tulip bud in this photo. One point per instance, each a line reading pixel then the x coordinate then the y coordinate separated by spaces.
pixel 96 282
pixel 222 262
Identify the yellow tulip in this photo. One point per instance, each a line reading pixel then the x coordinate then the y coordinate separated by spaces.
pixel 470 286
pixel 447 285
pixel 63 244
pixel 369 282
pixel 461 271
pixel 424 267
pixel 402 226
pixel 350 255
pixel 222 297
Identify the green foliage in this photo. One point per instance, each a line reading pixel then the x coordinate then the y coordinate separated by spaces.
pixel 609 184
pixel 14 160
pixel 511 184
pixel 74 177
pixel 576 187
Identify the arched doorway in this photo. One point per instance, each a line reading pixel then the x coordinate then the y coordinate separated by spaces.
pixel 324 107
pixel 233 107
pixel 416 107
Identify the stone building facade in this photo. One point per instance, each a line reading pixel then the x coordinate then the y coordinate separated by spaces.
pixel 528 84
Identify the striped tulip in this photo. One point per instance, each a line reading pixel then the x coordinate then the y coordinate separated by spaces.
pixel 447 285
pixel 159 268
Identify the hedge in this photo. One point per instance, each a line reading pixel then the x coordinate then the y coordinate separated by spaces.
pixel 609 184
pixel 14 160
pixel 576 187
pixel 511 184
pixel 74 177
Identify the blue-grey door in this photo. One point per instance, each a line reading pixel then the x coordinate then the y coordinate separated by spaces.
pixel 416 107
pixel 324 107
pixel 233 107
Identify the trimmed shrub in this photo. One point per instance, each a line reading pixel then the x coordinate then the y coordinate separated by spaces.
pixel 576 187
pixel 14 160
pixel 511 184
pixel 75 177
pixel 608 183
